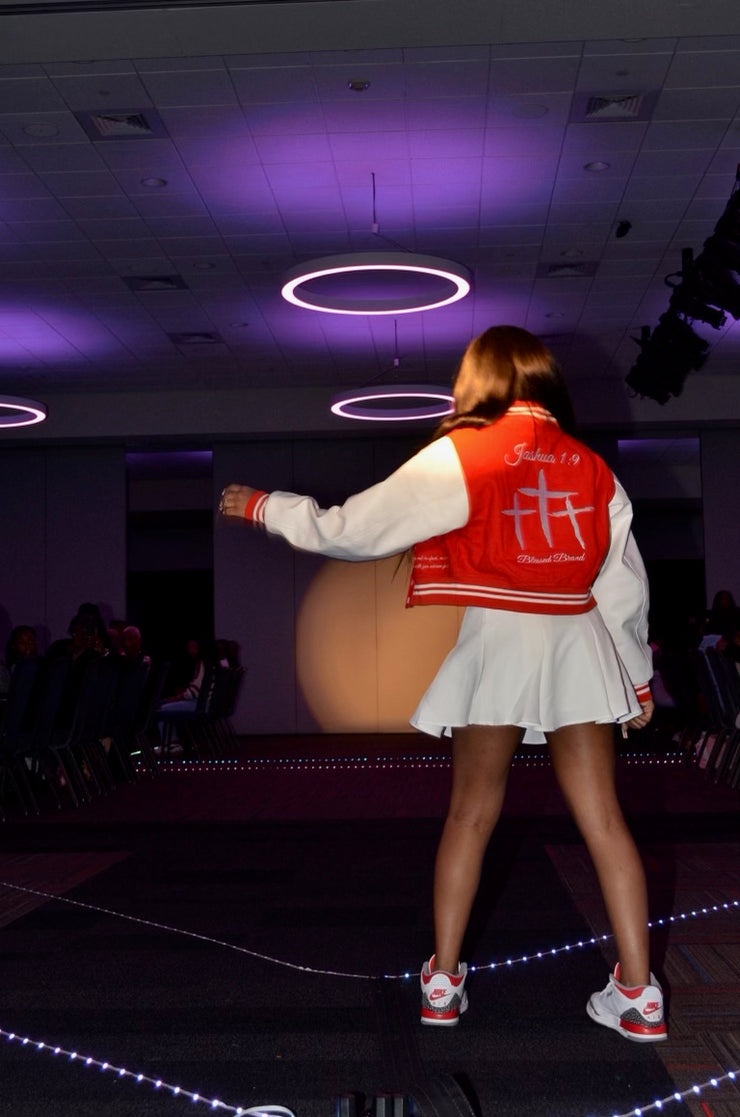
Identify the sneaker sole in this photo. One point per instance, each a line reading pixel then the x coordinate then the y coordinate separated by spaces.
pixel 616 1025
pixel 437 1022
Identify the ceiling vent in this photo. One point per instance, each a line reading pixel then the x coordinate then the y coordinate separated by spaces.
pixel 124 124
pixel 200 337
pixel 611 108
pixel 614 108
pixel 155 283
pixel 567 271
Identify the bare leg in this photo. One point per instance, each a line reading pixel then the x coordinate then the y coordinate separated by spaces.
pixel 481 758
pixel 583 759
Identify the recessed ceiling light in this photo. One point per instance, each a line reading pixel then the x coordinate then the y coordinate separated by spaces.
pixel 154 182
pixel 572 254
pixel 358 85
pixel 203 265
pixel 18 412
pixel 41 131
pixel 554 314
pixel 597 165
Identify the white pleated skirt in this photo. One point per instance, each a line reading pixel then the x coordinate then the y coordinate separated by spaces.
pixel 533 670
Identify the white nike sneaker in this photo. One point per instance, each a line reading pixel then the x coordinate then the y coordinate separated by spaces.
pixel 443 996
pixel 635 1012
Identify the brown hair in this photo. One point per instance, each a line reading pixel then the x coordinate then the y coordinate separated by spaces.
pixel 503 365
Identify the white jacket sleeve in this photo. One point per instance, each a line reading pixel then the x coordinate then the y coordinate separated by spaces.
pixel 427 496
pixel 621 592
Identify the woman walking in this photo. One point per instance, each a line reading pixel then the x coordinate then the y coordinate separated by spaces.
pixel 509 515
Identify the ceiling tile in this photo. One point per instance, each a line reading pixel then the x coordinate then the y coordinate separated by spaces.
pixel 511 213
pixel 36 231
pixel 100 207
pixel 31 209
pixel 118 249
pixel 646 45
pixel 168 205
pixel 193 246
pixel 292 119
pixel 177 181
pixel 63 157
pixel 540 142
pixel 603 188
pixel 597 140
pixel 270 60
pixel 529 111
pixel 623 73
pixel 384 81
pixel 29 95
pixel 692 104
pixel 154 155
pixel 390 148
pixel 446 78
pixel 103 93
pixel 24 129
pixel 204 122
pixel 11 162
pixel 113 228
pixel 306 176
pixel 73 184
pixel 279 84
pixel 446 113
pixel 702 69
pixel 511 234
pixel 190 88
pixel 198 225
pixel 26 185
pixel 540 75
pixel 292 149
pixel 458 143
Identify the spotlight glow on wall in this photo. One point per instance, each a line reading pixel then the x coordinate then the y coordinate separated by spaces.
pixel 18 412
pixel 424 402
pixel 297 279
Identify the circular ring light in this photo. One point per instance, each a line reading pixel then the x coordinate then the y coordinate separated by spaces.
pixel 353 263
pixel 18 412
pixel 424 402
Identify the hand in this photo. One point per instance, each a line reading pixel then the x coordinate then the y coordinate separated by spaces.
pixel 642 719
pixel 234 500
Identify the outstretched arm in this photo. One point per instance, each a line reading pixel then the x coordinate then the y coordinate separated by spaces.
pixel 427 496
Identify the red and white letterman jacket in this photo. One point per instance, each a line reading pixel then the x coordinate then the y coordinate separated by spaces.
pixel 517 515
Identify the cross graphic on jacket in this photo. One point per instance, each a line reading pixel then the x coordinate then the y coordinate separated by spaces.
pixel 543 496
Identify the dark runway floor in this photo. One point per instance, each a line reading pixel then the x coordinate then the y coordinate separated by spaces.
pixel 218 913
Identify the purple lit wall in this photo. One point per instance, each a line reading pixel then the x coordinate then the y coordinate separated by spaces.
pixel 63 537
pixel 720 466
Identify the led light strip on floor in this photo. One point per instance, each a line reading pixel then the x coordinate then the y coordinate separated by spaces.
pixel 216 1105
pixel 213 1104
pixel 376 763
pixel 681 1095
pixel 728 906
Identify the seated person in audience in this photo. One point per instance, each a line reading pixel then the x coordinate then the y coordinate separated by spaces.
pixel 82 646
pixel 21 645
pixel 185 699
pixel 84 636
pixel 131 647
pixel 186 696
pixel 723 619
pixel 227 653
